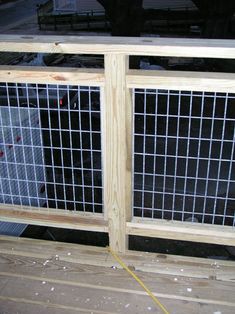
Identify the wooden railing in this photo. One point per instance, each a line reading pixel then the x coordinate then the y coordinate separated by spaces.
pixel 116 81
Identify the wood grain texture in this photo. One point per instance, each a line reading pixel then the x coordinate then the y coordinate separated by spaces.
pixel 56 271
pixel 31 282
pixel 186 81
pixel 59 219
pixel 177 47
pixel 116 113
pixel 184 231
pixel 116 151
pixel 140 261
pixel 51 75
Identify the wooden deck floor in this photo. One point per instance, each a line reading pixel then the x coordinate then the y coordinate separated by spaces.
pixel 50 277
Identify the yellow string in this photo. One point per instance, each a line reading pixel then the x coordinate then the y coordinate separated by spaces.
pixel 118 259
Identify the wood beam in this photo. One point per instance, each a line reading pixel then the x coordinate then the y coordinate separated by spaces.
pixel 52 75
pixel 116 149
pixel 178 80
pixel 183 231
pixel 139 46
pixel 52 218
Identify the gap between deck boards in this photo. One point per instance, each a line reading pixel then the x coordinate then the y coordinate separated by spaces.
pixel 122 290
pixel 92 270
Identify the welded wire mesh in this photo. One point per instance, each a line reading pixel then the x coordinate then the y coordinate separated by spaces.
pixel 50 146
pixel 184 158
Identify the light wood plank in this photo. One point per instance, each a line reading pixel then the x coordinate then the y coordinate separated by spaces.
pixel 184 231
pixel 59 219
pixel 29 307
pixel 186 81
pixel 177 47
pixel 56 271
pixel 116 151
pixel 140 261
pixel 47 303
pixel 116 118
pixel 26 306
pixel 52 75
pixel 56 284
pixel 96 292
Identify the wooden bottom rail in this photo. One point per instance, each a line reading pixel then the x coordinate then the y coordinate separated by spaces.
pixel 53 218
pixel 184 231
pixel 175 230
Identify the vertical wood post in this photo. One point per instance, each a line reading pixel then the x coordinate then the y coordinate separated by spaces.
pixel 116 132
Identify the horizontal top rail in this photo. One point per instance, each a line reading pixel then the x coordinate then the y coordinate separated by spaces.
pixel 171 47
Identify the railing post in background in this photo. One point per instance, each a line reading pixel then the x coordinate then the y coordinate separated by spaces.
pixel 116 131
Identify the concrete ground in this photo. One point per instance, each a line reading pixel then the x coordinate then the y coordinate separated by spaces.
pixel 14 14
pixel 20 17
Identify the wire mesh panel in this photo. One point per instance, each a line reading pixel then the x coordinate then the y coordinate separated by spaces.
pixel 50 146
pixel 184 158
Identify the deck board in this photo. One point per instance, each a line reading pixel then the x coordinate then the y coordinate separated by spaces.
pixel 40 277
